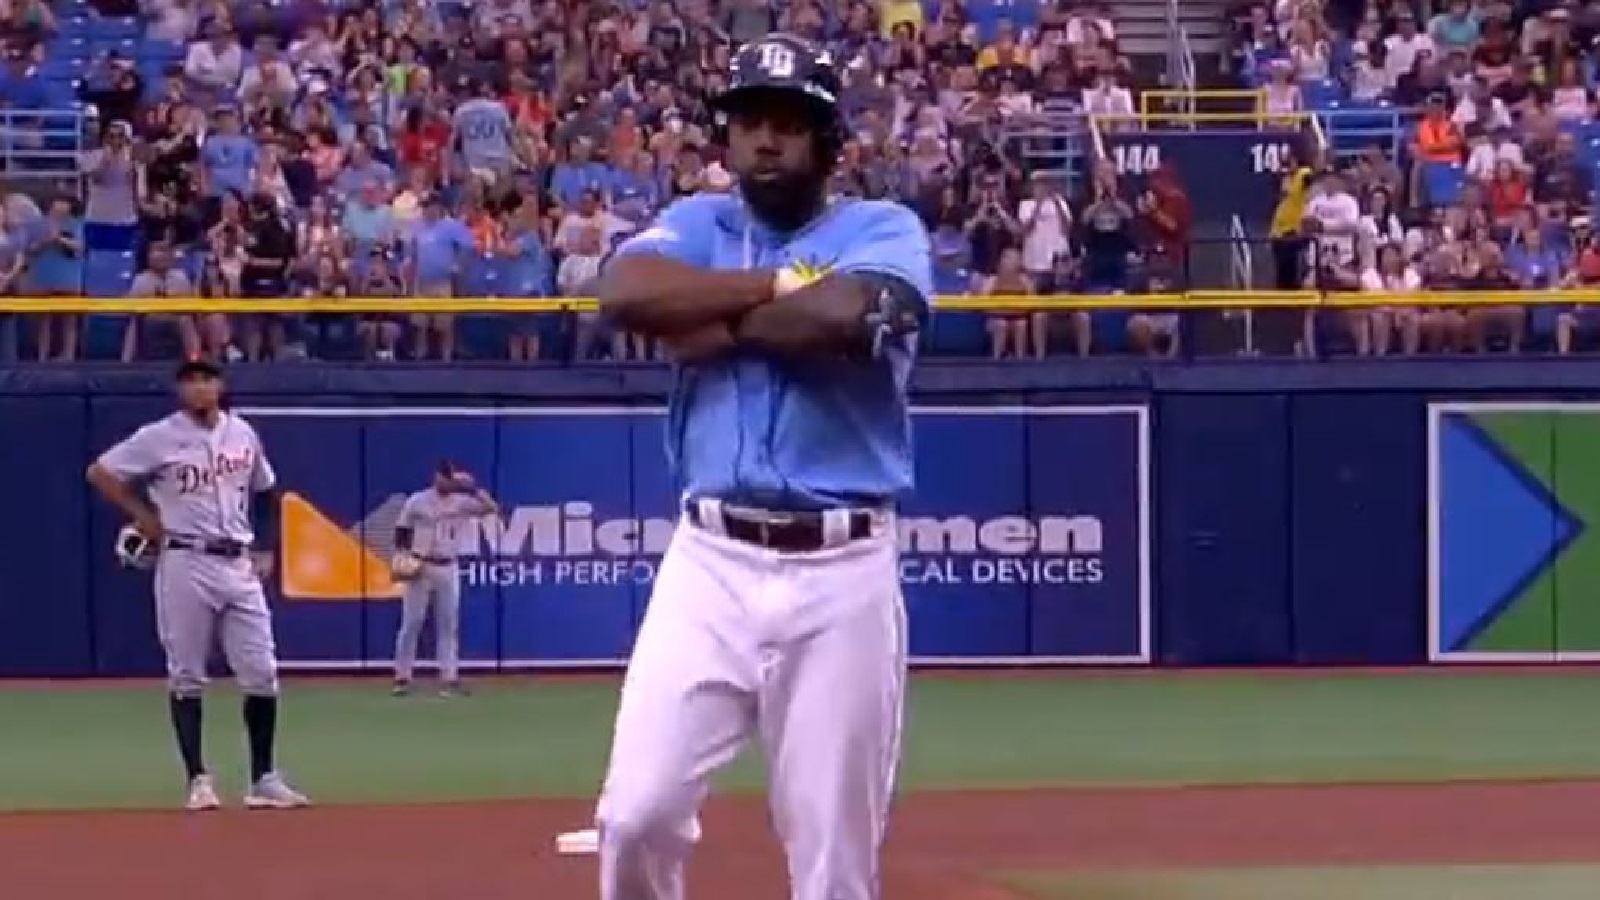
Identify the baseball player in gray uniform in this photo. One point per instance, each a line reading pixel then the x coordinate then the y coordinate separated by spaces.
pixel 198 490
pixel 426 540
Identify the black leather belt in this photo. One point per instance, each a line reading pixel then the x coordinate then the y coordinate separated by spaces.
pixel 438 560
pixel 208 546
pixel 797 531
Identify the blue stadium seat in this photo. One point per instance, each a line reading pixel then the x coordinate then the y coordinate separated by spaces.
pixel 107 273
pixel 101 27
pixel 1320 95
pixel 126 47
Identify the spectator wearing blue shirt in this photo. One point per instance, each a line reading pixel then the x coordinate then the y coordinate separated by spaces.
pixel 1456 28
pixel 368 222
pixel 55 269
pixel 525 256
pixel 227 159
pixel 362 168
pixel 1537 266
pixel 637 189
pixel 579 173
pixel 434 249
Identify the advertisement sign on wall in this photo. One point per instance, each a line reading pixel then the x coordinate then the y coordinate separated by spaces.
pixel 1514 563
pixel 1027 541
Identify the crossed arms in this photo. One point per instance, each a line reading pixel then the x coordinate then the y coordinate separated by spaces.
pixel 702 313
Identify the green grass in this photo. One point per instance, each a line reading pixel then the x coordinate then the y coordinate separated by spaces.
pixel 1366 883
pixel 351 742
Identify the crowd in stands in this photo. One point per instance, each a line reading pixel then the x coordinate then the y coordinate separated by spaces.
pixel 431 148
pixel 428 148
pixel 1490 189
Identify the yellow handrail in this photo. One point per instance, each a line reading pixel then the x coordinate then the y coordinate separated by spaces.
pixel 992 303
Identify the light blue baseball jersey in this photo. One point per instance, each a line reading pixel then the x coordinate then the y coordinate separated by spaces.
pixel 784 433
pixel 485 130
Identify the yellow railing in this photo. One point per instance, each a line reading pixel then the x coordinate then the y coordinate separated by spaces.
pixel 1163 100
pixel 995 303
pixel 1171 108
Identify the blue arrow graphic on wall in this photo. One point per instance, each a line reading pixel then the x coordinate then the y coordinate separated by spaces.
pixel 1501 529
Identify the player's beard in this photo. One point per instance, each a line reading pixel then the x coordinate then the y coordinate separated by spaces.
pixel 788 202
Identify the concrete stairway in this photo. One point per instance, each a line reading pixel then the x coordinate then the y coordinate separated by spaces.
pixel 1145 35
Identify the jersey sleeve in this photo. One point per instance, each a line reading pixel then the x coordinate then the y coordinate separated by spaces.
pixel 138 456
pixel 263 477
pixel 408 513
pixel 886 239
pixel 683 231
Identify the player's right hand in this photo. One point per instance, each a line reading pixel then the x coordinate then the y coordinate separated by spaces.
pixel 148 526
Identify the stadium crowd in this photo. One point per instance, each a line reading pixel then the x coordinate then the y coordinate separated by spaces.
pixel 395 148
pixel 1488 189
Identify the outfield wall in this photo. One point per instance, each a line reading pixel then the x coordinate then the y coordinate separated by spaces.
pixel 1238 512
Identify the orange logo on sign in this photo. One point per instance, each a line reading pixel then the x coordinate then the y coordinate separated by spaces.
pixel 323 562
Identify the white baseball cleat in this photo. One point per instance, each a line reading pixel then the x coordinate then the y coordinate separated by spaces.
pixel 272 792
pixel 202 795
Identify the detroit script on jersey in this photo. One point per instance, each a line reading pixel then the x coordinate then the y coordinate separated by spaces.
pixel 191 477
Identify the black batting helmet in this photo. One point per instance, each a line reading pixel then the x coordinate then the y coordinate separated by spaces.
pixel 784 65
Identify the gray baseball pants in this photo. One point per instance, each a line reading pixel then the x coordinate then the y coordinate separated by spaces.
pixel 436 589
pixel 203 600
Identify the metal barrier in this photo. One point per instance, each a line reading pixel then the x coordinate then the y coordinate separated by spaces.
pixel 1188 74
pixel 1242 276
pixel 44 143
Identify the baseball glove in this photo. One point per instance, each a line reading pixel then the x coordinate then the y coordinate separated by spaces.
pixel 134 550
pixel 404 565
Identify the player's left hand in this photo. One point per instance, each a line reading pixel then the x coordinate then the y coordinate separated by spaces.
pixel 261 562
pixel 465 482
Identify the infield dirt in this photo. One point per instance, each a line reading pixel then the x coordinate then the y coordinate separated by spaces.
pixel 942 846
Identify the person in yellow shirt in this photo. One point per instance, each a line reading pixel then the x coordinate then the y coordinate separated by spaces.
pixel 895 12
pixel 1294 188
pixel 1004 53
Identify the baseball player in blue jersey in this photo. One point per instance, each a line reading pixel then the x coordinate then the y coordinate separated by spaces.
pixel 198 490
pixel 777 612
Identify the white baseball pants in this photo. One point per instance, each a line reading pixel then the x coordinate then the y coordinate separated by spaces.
pixel 806 651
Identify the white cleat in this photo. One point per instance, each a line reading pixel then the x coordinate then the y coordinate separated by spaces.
pixel 202 795
pixel 272 792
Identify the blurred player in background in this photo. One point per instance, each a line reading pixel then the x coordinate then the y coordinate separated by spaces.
pixel 426 540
